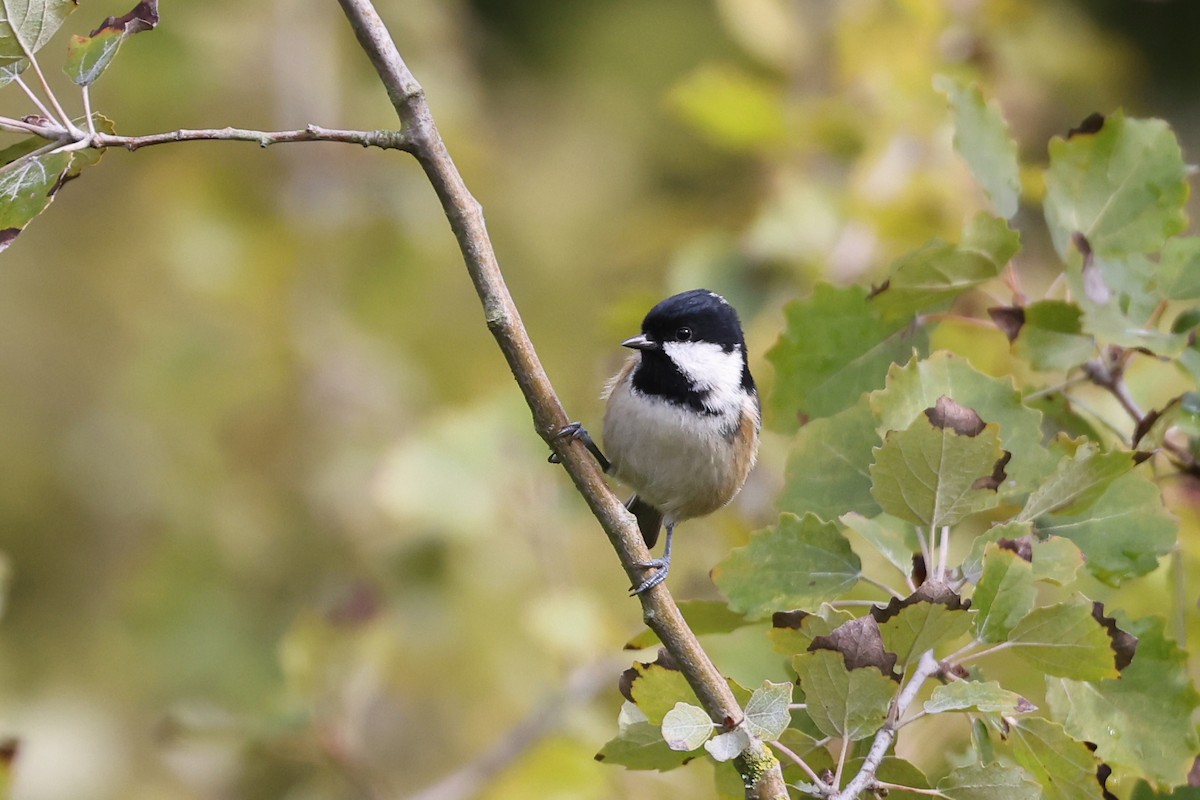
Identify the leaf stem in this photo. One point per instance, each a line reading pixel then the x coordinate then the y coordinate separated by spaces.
pixel 85 90
pixel 37 101
pixel 996 648
pixel 63 118
pixel 880 585
pixel 943 552
pixel 901 788
pixel 798 761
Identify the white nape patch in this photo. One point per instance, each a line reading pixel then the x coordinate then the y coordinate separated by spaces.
pixel 710 369
pixel 718 297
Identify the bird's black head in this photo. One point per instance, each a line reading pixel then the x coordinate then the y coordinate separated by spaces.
pixel 696 322
pixel 696 316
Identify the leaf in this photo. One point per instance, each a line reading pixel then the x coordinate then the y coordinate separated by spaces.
pixel 26 25
pixel 977 696
pixel 1123 533
pixel 640 745
pixel 828 469
pixel 767 713
pixel 1064 640
pixel 990 782
pixel 1056 560
pixel 938 471
pixel 1005 594
pixel 841 702
pixel 1118 300
pixel 1123 188
pixel 895 539
pixel 728 745
pixel 1178 274
pixel 860 644
pixel 657 689
pixel 834 347
pixel 11 70
pixel 1065 768
pixel 982 138
pixel 702 616
pixel 686 727
pixel 26 188
pixel 799 562
pixel 89 56
pixel 938 272
pixel 922 621
pixel 794 631
pixel 972 566
pixel 918 385
pixel 1051 337
pixel 1141 721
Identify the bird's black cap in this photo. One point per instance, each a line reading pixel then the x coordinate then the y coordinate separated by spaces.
pixel 706 315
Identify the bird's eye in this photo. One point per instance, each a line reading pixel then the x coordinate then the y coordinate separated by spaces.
pixel 684 334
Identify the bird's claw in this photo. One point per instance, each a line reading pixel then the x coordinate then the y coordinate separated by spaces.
pixel 661 566
pixel 576 431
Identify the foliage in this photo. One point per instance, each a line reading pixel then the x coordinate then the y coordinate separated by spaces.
pixel 987 505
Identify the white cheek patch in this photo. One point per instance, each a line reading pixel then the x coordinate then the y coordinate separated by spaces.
pixel 710 369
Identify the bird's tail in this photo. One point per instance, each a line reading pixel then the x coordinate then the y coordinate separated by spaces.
pixel 649 519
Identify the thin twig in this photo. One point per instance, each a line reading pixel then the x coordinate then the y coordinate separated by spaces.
pixel 388 140
pixel 926 667
pixel 901 788
pixel 758 767
pixel 881 585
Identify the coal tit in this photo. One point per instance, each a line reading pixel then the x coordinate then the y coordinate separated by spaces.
pixel 682 423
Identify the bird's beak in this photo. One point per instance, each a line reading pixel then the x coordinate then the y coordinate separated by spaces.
pixel 641 342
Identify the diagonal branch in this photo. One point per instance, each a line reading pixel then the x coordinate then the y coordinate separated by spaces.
pixel 758 766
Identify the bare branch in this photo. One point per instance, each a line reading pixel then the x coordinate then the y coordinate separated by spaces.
pixel 758 766
pixel 388 140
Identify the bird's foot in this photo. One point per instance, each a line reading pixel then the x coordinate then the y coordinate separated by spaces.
pixel 577 432
pixel 661 567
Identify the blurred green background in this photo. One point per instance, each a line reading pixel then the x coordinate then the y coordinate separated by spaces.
pixel 273 519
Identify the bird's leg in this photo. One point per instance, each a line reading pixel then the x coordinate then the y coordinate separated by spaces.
pixel 662 565
pixel 576 431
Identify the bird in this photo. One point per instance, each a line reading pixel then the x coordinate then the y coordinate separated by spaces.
pixel 682 420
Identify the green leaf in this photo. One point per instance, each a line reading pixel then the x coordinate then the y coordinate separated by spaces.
pixel 940 469
pixel 897 771
pixel 1077 482
pixel 977 696
pixel 10 70
pixel 657 689
pixel 1065 640
pixel 828 469
pixel 1005 594
pixel 990 782
pixel 1144 791
pixel 910 627
pixel 702 616
pixel 935 274
pixel 1119 302
pixel 1123 188
pixel 981 137
pixel 972 566
pixel 686 727
pixel 26 188
pixel 799 562
pixel 1178 274
pixel 918 385
pixel 852 704
pixel 1056 560
pixel 639 744
pixel 834 347
pixel 89 56
pixel 1142 721
pixel 895 539
pixel 1124 531
pixel 767 713
pixel 1051 337
pixel 1064 767
pixel 26 25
